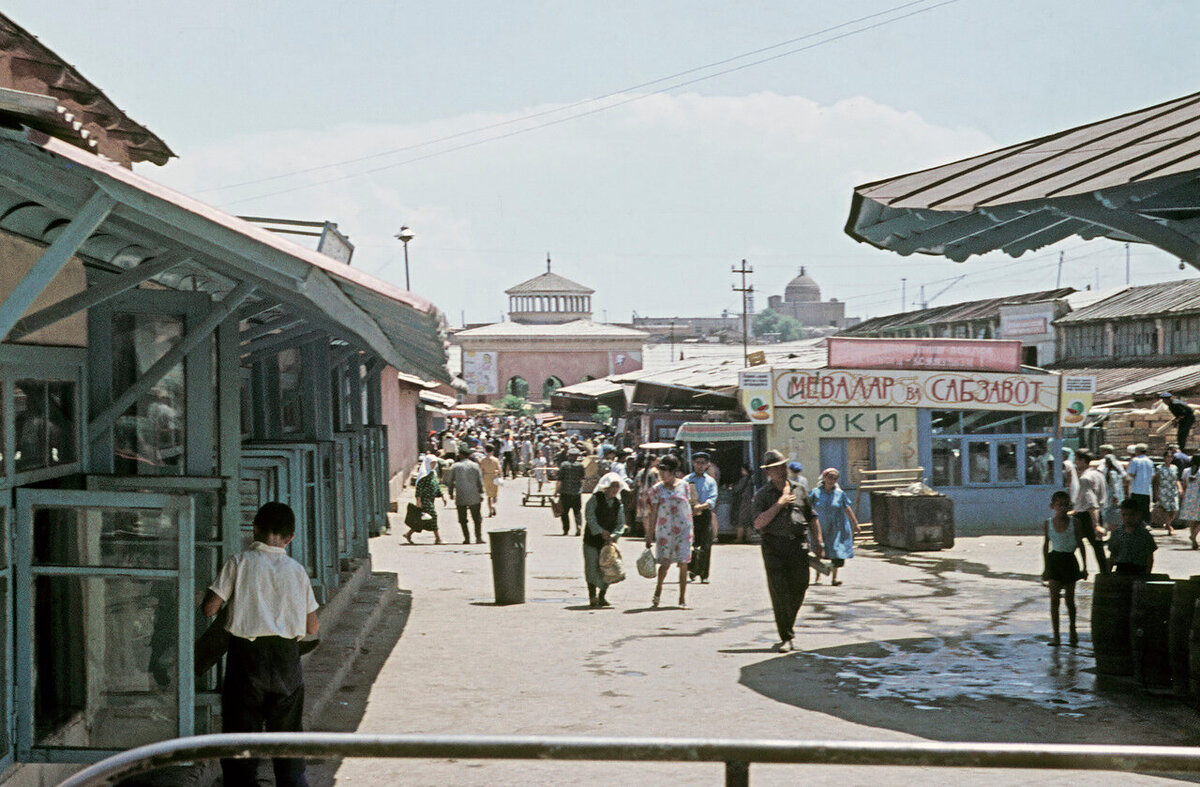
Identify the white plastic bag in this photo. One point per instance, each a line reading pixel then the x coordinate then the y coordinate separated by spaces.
pixel 646 565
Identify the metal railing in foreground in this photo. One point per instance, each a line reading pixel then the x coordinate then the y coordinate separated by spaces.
pixel 736 755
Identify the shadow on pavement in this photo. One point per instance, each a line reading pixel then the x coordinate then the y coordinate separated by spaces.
pixel 345 713
pixel 991 688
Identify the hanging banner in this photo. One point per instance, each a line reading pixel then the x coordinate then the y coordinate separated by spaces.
pixel 1076 400
pixel 754 391
pixel 480 372
pixel 938 390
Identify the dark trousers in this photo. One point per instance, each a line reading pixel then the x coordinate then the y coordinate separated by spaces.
pixel 786 562
pixel 1143 507
pixel 702 539
pixel 509 467
pixel 571 503
pixel 263 692
pixel 1085 530
pixel 1181 434
pixel 476 515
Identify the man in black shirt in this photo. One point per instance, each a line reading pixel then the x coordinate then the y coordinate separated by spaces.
pixel 1185 418
pixel 570 488
pixel 787 522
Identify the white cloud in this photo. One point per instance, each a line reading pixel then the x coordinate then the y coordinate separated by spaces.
pixel 649 202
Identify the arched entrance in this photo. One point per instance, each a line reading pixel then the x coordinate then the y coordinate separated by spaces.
pixel 551 385
pixel 517 386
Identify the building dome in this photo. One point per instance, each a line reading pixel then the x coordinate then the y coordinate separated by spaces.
pixel 549 298
pixel 802 289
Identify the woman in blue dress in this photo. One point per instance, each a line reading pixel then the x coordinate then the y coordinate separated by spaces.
pixel 839 526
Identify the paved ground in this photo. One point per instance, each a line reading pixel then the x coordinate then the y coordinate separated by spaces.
pixel 927 646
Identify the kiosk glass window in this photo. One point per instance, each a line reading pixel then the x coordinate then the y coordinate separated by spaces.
pixel 990 447
pixel 947 461
pixel 148 439
pixel 44 423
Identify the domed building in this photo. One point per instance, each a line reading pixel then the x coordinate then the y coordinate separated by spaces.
pixel 548 341
pixel 802 300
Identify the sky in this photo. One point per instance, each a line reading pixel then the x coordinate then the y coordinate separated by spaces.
pixel 474 124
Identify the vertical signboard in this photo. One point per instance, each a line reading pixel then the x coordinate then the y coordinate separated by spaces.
pixel 757 397
pixel 1075 400
pixel 480 373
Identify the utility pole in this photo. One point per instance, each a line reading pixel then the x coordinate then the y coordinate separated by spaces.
pixel 673 339
pixel 903 294
pixel 1058 281
pixel 1126 264
pixel 745 290
pixel 924 303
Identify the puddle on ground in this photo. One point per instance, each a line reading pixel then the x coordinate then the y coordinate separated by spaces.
pixel 932 673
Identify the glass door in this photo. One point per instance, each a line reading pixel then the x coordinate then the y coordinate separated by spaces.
pixel 105 607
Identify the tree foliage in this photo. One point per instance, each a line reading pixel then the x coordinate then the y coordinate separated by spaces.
pixel 511 404
pixel 603 414
pixel 769 321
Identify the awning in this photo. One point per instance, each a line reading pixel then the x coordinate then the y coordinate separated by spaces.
pixel 703 432
pixel 437 400
pixel 45 182
pixel 1134 177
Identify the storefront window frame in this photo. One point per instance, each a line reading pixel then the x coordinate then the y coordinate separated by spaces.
pixel 49 364
pixel 964 440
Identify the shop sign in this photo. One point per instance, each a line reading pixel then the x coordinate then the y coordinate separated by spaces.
pixel 940 390
pixel 1025 325
pixel 962 354
pixel 843 421
pixel 1076 400
pixel 754 391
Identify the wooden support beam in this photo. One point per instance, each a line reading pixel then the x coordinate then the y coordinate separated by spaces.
pixel 198 333
pixel 97 294
pixel 267 328
pixel 277 342
pixel 251 310
pixel 54 258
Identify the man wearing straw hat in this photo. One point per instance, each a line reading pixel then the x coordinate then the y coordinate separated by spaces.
pixel 788 524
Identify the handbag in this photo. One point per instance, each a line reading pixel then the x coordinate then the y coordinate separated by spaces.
pixel 556 507
pixel 414 516
pixel 610 564
pixel 646 565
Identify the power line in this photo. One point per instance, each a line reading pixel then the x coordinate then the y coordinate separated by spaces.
pixel 576 116
pixel 564 108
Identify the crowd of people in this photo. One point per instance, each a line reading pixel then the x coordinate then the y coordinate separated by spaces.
pixel 603 489
pixel 1112 505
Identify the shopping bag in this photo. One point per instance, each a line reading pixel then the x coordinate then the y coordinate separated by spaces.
pixel 556 507
pixel 610 564
pixel 646 565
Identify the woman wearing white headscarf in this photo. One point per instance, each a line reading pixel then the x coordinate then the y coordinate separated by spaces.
pixel 604 518
pixel 427 492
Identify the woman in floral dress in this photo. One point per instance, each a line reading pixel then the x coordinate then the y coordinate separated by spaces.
pixel 427 492
pixel 1166 491
pixel 1189 509
pixel 669 525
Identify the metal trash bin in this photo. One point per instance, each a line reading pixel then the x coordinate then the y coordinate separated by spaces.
pixel 508 565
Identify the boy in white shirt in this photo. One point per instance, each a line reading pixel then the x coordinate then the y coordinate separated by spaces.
pixel 271 608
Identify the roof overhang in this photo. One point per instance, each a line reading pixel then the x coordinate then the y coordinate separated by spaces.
pixel 40 175
pixel 1132 178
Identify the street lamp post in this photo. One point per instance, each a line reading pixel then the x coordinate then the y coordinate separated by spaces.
pixel 405 235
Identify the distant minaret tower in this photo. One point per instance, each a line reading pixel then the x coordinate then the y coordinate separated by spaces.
pixel 547 262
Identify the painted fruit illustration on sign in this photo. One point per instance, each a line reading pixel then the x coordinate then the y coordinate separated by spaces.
pixel 759 409
pixel 1074 412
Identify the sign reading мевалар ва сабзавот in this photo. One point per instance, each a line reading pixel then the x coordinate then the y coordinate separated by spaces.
pixel 904 388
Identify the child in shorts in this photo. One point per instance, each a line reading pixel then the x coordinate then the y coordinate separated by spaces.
pixel 271 608
pixel 1061 570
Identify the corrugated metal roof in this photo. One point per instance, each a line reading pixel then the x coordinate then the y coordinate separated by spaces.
pixel 402 328
pixel 1149 300
pixel 1132 177
pixel 986 309
pixel 1139 382
pixel 549 283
